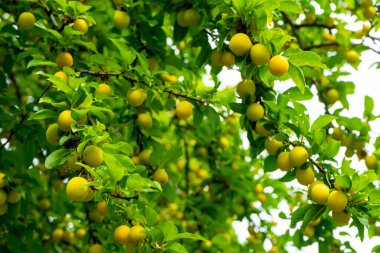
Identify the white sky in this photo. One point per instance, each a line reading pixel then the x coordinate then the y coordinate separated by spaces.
pixel 366 81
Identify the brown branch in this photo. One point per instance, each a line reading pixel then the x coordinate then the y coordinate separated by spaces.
pixel 24 117
pixel 119 196
pixel 187 168
pixel 133 80
pixel 49 12
pixel 320 46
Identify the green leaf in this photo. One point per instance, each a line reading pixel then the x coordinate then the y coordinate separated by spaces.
pixel 297 76
pixel 239 5
pixel 332 149
pixel 295 94
pixel 270 163
pixel 61 85
pixel 343 182
pixel 171 155
pixel 115 167
pixel 52 32
pixel 322 121
pixel 40 62
pixel 117 147
pixel 306 58
pixel 212 116
pixel 359 182
pixel 43 114
pixel 374 196
pixel 290 6
pixel 56 158
pixel 176 247
pixel 184 236
pixel 239 108
pixel 127 55
pixel 265 75
pixel 289 176
pixel 299 214
pixel 313 213
pixel 368 106
pixel 137 183
pixel 168 229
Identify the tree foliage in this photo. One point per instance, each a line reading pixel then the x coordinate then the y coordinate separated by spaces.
pixel 113 140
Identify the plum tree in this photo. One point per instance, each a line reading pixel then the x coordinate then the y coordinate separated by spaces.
pixel 148 97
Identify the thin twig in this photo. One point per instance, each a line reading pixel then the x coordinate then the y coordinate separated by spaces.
pixel 24 117
pixel 119 196
pixel 133 80
pixel 49 13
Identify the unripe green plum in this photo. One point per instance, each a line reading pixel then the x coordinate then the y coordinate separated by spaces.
pixel 255 112
pixel 283 161
pixel 52 135
pixel 121 19
pixel 26 20
pixel 80 25
pixel 93 156
pixel 161 176
pixel 144 120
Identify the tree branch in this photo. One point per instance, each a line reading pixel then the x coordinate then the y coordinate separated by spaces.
pixel 133 80
pixel 49 12
pixel 24 117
